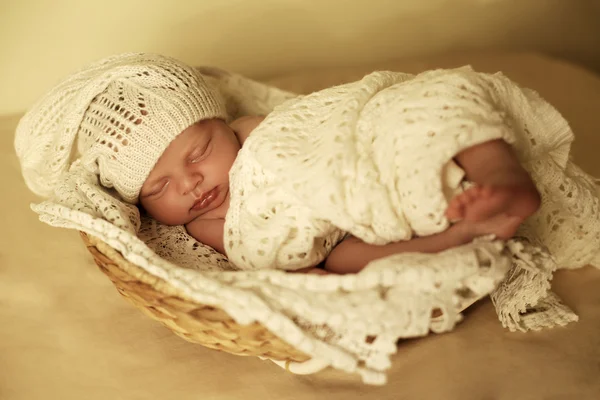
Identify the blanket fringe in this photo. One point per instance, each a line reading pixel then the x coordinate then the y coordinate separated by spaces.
pixel 524 300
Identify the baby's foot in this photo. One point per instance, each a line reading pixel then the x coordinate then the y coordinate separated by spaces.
pixel 482 202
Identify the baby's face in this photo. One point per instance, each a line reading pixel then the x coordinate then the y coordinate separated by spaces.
pixel 191 178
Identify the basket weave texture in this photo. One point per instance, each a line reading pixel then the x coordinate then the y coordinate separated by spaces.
pixel 197 323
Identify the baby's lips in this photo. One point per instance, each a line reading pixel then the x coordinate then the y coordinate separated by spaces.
pixel 205 200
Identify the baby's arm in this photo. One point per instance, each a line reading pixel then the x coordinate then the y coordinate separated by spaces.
pixel 352 254
pixel 208 232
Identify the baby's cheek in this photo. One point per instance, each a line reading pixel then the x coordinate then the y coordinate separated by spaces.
pixel 175 212
pixel 169 211
pixel 228 163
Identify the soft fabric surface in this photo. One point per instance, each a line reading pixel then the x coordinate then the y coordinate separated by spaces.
pixel 65 333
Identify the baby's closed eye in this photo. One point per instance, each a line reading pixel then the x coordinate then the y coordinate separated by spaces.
pixel 199 153
pixel 158 187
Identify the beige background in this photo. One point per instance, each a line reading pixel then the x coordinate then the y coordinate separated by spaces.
pixel 66 334
pixel 43 40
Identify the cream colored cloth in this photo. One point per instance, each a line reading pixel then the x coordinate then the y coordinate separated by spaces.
pixel 64 327
pixel 372 158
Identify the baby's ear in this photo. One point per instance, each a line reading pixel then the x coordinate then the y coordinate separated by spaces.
pixel 213 71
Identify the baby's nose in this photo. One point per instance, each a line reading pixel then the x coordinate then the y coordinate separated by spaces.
pixel 190 182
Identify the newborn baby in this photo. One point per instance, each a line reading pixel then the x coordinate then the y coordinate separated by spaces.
pixel 190 186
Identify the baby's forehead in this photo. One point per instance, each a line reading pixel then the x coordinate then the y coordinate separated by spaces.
pixel 187 139
pixel 179 146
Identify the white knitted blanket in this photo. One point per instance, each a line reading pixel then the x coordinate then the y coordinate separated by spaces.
pixel 374 158
pixel 345 149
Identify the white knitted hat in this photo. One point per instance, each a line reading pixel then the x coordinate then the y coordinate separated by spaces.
pixel 117 115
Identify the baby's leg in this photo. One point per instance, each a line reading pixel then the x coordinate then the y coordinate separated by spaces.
pixel 503 189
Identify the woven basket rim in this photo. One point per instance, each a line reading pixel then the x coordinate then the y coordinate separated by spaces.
pixel 229 336
pixel 133 270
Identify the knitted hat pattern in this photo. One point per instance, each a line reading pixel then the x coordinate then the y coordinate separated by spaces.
pixel 117 116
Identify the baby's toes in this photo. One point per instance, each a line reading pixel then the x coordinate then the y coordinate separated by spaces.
pixel 471 195
pixel 486 191
pixel 455 209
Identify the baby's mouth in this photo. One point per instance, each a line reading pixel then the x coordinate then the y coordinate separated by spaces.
pixel 205 200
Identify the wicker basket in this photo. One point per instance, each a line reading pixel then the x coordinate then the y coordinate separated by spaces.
pixel 197 323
